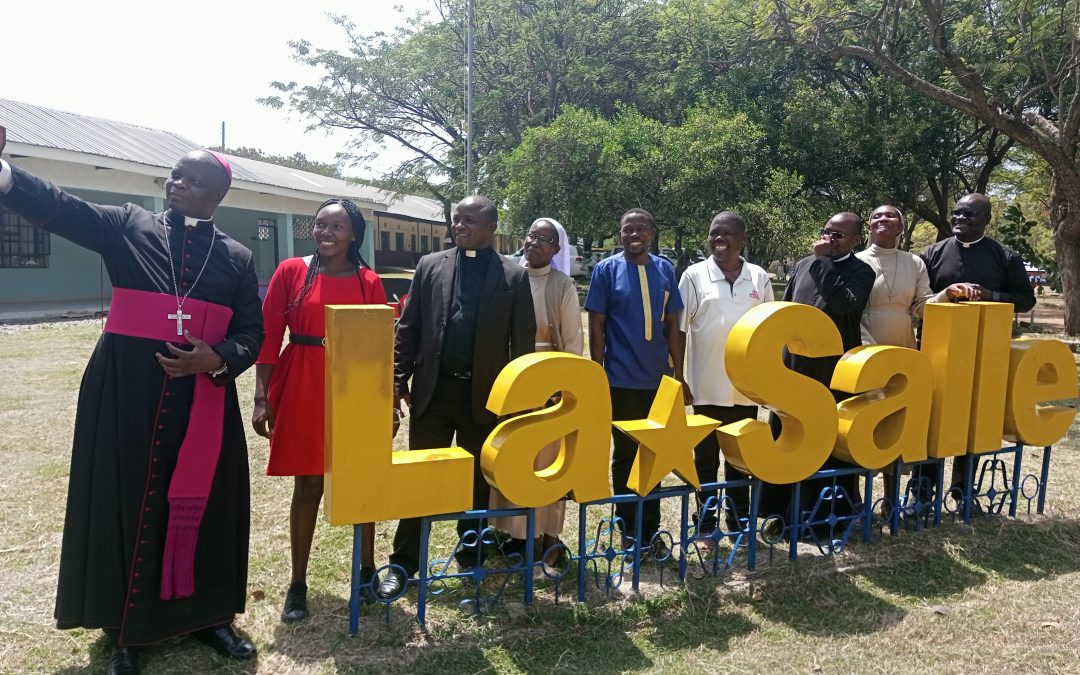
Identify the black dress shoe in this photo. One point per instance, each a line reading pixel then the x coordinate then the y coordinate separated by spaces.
pixel 392 585
pixel 227 642
pixel 124 661
pixel 295 603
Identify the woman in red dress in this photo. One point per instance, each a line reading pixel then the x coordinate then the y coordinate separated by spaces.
pixel 289 384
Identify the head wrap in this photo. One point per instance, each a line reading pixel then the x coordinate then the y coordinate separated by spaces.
pixel 224 163
pixel 561 260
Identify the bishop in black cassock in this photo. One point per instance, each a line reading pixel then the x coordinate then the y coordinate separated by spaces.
pixel 133 411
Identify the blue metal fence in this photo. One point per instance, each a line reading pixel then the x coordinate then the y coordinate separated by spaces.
pixel 605 553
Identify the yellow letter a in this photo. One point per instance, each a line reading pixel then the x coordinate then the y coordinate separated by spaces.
pixel 582 420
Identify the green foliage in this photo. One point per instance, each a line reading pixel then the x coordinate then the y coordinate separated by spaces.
pixel 297 160
pixel 683 107
pixel 1032 240
pixel 587 170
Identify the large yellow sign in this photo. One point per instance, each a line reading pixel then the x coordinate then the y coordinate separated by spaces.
pixel 968 387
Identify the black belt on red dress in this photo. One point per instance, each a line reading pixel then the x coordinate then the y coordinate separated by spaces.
pixel 307 340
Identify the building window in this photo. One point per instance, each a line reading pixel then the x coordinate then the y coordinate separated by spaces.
pixel 303 228
pixel 412 242
pixel 424 243
pixel 384 241
pixel 22 245
pixel 399 241
pixel 266 229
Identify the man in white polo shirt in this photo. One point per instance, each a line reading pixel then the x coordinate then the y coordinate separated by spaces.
pixel 716 292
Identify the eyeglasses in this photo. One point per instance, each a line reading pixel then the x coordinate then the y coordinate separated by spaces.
pixel 835 235
pixel 542 238
pixel 967 213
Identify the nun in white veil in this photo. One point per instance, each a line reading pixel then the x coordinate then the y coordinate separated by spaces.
pixel 546 257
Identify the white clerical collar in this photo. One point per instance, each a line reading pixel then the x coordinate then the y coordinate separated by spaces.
pixel 968 244
pixel 836 260
pixel 190 221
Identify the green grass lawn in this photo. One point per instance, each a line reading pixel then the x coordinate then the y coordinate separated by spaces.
pixel 995 596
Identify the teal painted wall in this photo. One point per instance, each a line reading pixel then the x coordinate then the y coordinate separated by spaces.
pixel 302 247
pixel 73 273
pixel 76 274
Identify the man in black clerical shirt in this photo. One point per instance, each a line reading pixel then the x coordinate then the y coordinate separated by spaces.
pixel 971 266
pixel 832 279
pixel 469 312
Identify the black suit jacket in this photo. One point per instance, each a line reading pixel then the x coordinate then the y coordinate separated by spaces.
pixel 505 328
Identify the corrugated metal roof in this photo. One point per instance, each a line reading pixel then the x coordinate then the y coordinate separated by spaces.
pixel 413 206
pixel 45 127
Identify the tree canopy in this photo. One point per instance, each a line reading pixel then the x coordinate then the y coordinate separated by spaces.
pixel 784 112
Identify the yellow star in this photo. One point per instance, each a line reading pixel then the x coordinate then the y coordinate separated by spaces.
pixel 666 439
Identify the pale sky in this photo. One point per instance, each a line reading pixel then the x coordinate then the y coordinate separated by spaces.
pixel 182 67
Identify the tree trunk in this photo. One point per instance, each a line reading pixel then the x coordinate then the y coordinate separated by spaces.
pixel 1065 219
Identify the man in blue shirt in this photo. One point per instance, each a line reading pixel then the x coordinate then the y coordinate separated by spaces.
pixel 633 306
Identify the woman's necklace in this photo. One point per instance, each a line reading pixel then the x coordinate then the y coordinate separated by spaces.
pixel 180 316
pixel 891 282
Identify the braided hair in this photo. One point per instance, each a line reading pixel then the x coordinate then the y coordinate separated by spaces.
pixel 359 228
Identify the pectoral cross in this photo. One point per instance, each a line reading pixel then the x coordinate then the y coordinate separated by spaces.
pixel 179 316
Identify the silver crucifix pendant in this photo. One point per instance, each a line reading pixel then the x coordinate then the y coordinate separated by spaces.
pixel 179 316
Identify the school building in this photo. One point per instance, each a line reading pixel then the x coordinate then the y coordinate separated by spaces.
pixel 270 208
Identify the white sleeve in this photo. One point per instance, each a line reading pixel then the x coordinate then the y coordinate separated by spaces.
pixel 688 291
pixel 6 179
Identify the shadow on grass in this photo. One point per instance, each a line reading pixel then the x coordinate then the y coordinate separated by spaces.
pixel 1026 550
pixel 1015 549
pixel 929 566
pixel 100 652
pixel 177 655
pixel 934 576
pixel 605 648
pixel 828 607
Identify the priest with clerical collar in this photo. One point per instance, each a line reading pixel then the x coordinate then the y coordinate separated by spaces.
pixel 970 266
pixel 835 281
pixel 155 538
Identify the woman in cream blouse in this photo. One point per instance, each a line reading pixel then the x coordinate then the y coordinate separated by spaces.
pixel 901 289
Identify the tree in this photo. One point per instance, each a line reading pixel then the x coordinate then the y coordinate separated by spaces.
pixel 587 170
pixel 557 171
pixel 297 160
pixel 1013 65
pixel 532 57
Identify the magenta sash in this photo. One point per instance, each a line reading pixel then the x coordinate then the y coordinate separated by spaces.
pixel 144 314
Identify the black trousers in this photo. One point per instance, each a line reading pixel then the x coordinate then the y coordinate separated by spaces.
pixel 956 486
pixel 631 404
pixel 707 462
pixel 777 498
pixel 448 415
